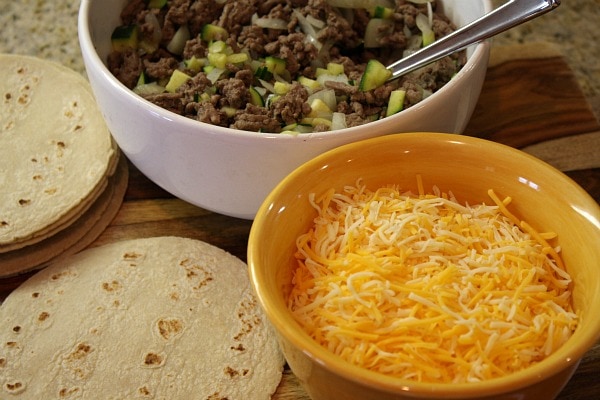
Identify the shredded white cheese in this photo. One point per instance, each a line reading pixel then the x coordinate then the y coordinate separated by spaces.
pixel 424 288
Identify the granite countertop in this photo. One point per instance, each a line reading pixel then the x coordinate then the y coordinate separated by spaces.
pixel 48 29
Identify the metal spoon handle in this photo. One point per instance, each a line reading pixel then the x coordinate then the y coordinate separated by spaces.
pixel 508 15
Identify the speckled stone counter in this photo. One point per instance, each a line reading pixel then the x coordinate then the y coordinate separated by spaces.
pixel 48 29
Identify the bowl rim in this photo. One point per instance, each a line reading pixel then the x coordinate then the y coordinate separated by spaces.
pixel 560 360
pixel 480 55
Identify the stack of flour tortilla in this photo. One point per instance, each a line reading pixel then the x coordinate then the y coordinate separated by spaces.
pixel 62 179
pixel 155 318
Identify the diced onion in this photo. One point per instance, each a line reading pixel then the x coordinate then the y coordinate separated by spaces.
pixel 338 121
pixel 177 43
pixel 267 85
pixel 308 29
pixel 326 95
pixel 269 23
pixel 147 89
pixel 343 78
pixel 377 28
pixel 214 74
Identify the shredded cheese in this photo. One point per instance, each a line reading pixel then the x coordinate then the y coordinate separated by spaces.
pixel 424 288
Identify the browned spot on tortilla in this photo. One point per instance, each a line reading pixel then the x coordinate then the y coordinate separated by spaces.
pixel 11 344
pixel 239 347
pixel 35 295
pixel 144 391
pixel 247 317
pixel 196 273
pixel 24 202
pixel 67 392
pixel 131 256
pixel 43 316
pixel 37 177
pixel 3 223
pixel 16 329
pixel 111 286
pixel 216 396
pixel 14 387
pixel 232 373
pixel 81 351
pixel 153 359
pixel 7 96
pixel 169 328
pixel 2 362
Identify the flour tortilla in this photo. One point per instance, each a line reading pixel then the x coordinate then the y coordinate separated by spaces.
pixel 77 236
pixel 160 318
pixel 56 152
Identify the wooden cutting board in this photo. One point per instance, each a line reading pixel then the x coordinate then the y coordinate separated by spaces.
pixel 530 100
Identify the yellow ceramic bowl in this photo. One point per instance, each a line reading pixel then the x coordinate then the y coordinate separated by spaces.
pixel 468 167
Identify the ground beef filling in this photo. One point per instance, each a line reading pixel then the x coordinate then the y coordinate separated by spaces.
pixel 228 101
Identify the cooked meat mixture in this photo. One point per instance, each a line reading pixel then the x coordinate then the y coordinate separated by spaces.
pixel 292 66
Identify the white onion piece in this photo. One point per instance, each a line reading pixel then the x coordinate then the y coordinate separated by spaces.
pixel 215 74
pixel 151 19
pixel 147 89
pixel 343 78
pixel 317 23
pixel 325 95
pixel 424 26
pixel 338 121
pixel 179 39
pixel 367 4
pixel 376 29
pixel 420 1
pixel 269 23
pixel 267 85
pixel 308 29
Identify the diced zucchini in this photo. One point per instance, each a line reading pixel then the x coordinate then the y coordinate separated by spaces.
pixel 256 98
pixel 218 46
pixel 316 121
pixel 237 58
pixel 281 87
pixel 423 24
pixel 376 74
pixel 383 12
pixel 229 111
pixel 177 79
pixel 335 68
pixel 141 79
pixel 263 73
pixel 321 71
pixel 212 32
pixel 125 36
pixel 275 65
pixel 218 60
pixel 309 83
pixel 157 3
pixel 319 109
pixel 195 63
pixel 396 102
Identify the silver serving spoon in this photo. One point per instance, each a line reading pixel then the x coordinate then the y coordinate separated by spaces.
pixel 510 14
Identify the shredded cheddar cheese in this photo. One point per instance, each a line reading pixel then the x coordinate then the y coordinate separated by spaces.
pixel 424 288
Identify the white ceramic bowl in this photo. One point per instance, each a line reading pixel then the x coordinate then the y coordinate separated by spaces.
pixel 231 171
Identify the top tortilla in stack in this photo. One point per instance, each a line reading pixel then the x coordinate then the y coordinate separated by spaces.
pixel 156 318
pixel 56 153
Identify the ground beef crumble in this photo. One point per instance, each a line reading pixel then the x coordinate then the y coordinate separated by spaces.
pixel 228 101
